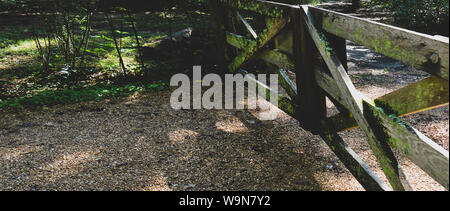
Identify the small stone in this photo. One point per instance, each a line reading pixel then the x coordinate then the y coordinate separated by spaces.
pixel 50 124
pixel 251 121
pixel 189 186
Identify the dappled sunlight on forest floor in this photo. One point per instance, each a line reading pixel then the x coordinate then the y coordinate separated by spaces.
pixel 140 143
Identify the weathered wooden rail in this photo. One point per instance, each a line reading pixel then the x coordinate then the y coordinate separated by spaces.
pixel 312 42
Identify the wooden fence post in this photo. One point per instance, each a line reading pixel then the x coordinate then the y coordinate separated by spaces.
pixel 218 16
pixel 356 4
pixel 311 97
pixel 339 46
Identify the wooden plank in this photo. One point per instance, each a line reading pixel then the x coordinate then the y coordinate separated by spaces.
pixel 285 40
pixel 429 92
pixel 284 103
pixel 247 25
pixel 281 56
pixel 233 26
pixel 288 83
pixel 353 99
pixel 365 176
pixel 339 46
pixel 421 150
pixel 279 59
pixel 425 153
pixel 254 47
pixel 328 84
pixel 284 80
pixel 424 52
pixel 267 8
pixel 239 41
pixel 429 156
pixel 343 120
pixel 272 56
pixel 426 94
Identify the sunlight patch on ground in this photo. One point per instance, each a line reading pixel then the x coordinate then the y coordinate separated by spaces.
pixel 182 135
pixel 337 182
pixel 267 111
pixel 21 47
pixel 111 63
pixel 14 154
pixel 67 164
pixel 158 183
pixel 232 125
pixel 17 54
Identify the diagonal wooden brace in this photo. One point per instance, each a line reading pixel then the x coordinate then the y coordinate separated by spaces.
pixel 354 100
pixel 254 47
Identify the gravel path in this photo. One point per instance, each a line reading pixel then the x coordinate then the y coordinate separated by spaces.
pixel 140 143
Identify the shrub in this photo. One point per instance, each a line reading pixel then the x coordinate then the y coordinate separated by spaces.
pixel 428 16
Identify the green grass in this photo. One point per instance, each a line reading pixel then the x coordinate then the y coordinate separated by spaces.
pixel 19 58
pixel 22 47
pixel 12 34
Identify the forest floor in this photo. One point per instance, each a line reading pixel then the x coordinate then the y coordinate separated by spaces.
pixel 140 143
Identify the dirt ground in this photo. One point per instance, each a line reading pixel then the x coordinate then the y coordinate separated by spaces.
pixel 140 143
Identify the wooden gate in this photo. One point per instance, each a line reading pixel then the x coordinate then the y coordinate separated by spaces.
pixel 312 43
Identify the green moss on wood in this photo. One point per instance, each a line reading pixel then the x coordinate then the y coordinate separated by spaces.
pixel 389 46
pixel 419 96
pixel 380 145
pixel 273 27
